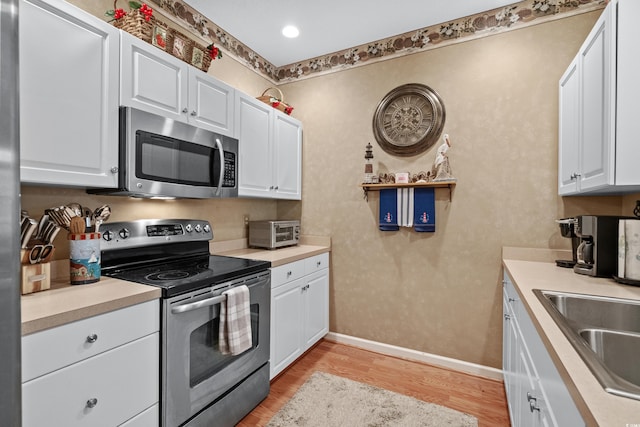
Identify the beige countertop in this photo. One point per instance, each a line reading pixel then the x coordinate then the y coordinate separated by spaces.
pixel 65 303
pixel 309 246
pixel 535 269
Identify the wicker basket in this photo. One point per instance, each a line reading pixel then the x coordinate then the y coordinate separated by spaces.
pixel 134 23
pixel 199 56
pixel 179 45
pixel 276 102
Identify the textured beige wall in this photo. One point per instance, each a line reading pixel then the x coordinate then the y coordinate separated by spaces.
pixel 441 292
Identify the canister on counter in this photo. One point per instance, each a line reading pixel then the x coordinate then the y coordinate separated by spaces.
pixel 84 258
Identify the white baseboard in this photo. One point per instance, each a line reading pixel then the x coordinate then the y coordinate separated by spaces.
pixel 417 356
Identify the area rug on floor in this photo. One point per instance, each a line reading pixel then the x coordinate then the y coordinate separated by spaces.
pixel 327 400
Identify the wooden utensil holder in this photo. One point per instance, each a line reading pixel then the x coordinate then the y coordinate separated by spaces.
pixel 35 277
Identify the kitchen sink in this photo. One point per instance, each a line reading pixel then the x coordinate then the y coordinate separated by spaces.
pixel 606 334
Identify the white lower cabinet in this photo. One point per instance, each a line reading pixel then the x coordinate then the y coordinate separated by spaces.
pixel 107 376
pixel 299 309
pixel 536 394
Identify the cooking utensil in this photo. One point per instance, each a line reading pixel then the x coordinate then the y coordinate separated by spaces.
pixel 76 207
pixel 77 225
pixel 100 215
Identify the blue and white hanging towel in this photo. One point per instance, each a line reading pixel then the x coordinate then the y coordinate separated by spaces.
pixel 405 207
pixel 424 215
pixel 388 210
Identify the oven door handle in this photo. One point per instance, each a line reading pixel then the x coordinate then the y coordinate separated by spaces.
pixel 221 177
pixel 183 308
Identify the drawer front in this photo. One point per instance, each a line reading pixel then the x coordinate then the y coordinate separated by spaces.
pixel 286 273
pixel 52 349
pixel 148 418
pixel 316 263
pixel 104 390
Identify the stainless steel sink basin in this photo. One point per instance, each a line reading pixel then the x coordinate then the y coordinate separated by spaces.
pixel 606 334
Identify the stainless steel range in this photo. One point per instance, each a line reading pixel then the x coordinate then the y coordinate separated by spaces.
pixel 201 386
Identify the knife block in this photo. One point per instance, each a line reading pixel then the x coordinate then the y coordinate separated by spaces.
pixel 35 277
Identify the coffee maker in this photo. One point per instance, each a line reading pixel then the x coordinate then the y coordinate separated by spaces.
pixel 567 229
pixel 597 252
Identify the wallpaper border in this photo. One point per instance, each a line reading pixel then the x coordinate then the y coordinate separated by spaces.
pixel 512 17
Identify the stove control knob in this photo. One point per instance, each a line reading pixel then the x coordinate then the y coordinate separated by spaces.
pixel 198 228
pixel 107 235
pixel 189 228
pixel 124 233
pixel 206 228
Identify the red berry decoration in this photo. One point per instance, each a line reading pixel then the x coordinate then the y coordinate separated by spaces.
pixel 146 11
pixel 119 13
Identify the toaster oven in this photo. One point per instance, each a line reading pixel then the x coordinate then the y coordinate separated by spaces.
pixel 273 234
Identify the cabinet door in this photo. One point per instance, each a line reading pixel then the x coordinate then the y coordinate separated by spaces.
pixel 316 307
pixel 597 86
pixel 287 157
pixel 509 357
pixel 254 130
pixel 152 80
pixel 569 130
pixel 210 103
pixel 68 96
pixel 286 325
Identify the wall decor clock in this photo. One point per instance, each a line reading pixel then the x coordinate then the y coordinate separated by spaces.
pixel 409 119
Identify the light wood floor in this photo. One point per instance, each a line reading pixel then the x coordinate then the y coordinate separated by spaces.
pixel 483 398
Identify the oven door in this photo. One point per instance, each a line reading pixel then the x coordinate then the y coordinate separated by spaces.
pixel 195 372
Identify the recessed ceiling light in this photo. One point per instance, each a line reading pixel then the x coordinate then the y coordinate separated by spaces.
pixel 290 31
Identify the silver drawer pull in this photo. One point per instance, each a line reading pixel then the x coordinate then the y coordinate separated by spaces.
pixel 92 338
pixel 289 274
pixel 91 403
pixel 319 264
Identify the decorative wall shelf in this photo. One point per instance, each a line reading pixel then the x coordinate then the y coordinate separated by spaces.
pixel 437 184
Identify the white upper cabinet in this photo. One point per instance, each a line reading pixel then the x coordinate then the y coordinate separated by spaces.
pixel 598 128
pixel 155 81
pixel 270 145
pixel 68 96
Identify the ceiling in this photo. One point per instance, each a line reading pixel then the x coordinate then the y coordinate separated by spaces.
pixel 328 26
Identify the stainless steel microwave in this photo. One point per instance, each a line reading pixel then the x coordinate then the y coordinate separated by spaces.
pixel 164 158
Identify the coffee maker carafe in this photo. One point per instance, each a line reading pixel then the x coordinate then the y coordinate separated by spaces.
pixel 567 229
pixel 597 253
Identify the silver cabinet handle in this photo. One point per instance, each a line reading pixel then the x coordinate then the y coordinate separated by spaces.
pixel 193 113
pixel 289 274
pixel 185 110
pixel 319 263
pixel 512 299
pixel 221 177
pixel 92 338
pixel 533 402
pixel 91 403
pixel 114 169
pixel 271 188
pixel 275 188
pixel 507 317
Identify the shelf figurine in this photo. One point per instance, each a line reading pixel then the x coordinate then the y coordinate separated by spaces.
pixel 369 176
pixel 441 170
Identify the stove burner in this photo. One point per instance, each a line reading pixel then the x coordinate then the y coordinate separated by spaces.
pixel 169 275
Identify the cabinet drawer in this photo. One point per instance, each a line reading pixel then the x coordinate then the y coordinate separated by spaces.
pixel 286 273
pixel 148 418
pixel 104 390
pixel 52 349
pixel 316 263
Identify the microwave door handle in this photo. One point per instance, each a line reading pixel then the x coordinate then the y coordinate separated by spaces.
pixel 221 177
pixel 183 308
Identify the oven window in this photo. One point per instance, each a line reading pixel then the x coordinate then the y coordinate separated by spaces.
pixel 205 357
pixel 165 159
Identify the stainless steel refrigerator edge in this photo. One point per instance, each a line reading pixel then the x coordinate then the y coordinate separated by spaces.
pixel 10 335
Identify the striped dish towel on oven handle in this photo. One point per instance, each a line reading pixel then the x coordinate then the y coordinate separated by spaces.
pixel 234 335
